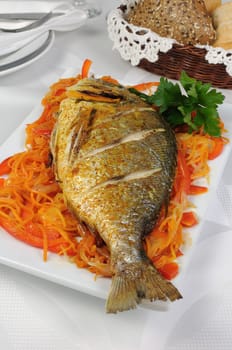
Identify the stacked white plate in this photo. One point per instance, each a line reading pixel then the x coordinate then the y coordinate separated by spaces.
pixel 20 49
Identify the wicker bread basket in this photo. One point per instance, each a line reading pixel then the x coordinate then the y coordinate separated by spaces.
pixel 191 59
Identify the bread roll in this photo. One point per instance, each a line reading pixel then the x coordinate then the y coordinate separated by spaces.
pixel 222 20
pixel 211 5
pixel 222 14
pixel 225 46
pixel 185 21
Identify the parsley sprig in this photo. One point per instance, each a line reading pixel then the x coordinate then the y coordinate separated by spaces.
pixel 191 102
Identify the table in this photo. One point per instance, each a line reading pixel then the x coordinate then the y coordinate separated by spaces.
pixel 40 315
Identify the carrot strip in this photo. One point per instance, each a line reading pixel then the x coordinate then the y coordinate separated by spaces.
pixel 85 68
pixel 109 79
pixel 45 246
pixel 183 177
pixel 194 189
pixel 145 86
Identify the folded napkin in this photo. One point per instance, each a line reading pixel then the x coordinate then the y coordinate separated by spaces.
pixel 72 19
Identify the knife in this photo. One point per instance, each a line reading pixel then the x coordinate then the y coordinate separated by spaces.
pixel 27 15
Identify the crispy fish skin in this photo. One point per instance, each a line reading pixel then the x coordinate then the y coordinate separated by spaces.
pixel 115 162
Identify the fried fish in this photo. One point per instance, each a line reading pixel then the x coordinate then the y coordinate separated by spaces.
pixel 115 158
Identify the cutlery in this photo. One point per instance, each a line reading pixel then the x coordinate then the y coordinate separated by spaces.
pixel 90 8
pixel 65 26
pixel 9 42
pixel 28 15
pixel 74 17
pixel 32 25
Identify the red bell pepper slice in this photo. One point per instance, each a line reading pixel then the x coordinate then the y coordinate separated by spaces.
pixel 169 271
pixel 218 145
pixel 189 219
pixel 4 167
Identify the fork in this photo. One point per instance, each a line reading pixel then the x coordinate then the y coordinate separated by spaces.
pixel 33 25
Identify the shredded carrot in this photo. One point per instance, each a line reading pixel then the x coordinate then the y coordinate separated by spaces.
pixel 146 86
pixel 33 209
pixel 85 68
pixel 194 189
pixel 109 79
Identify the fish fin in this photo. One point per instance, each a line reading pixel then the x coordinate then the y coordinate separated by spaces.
pixel 138 281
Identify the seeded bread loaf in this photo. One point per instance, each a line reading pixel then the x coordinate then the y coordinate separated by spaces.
pixel 186 21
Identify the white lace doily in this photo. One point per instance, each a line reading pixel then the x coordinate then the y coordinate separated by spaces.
pixel 135 43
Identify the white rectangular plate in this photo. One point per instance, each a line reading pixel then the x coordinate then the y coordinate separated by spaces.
pixel 57 269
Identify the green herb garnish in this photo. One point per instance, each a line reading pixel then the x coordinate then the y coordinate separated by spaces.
pixel 191 102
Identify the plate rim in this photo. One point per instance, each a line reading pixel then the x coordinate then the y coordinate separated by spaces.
pixel 29 58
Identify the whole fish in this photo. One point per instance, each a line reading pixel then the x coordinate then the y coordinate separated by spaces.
pixel 115 158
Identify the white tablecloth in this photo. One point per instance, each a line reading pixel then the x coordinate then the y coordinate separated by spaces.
pixel 39 315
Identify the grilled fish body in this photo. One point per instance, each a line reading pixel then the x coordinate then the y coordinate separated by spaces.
pixel 115 160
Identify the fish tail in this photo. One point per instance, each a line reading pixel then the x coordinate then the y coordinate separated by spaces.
pixel 138 281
